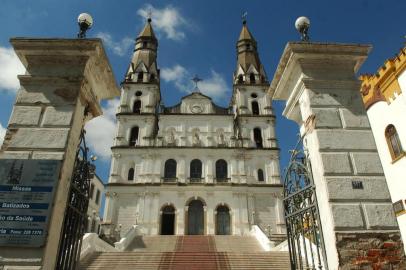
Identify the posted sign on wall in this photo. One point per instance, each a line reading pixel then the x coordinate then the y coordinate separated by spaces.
pixel 27 188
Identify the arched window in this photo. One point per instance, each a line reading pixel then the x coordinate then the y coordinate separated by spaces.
pixel 140 77
pixel 258 137
pixel 221 170
pixel 252 78
pixel 195 170
pixel 170 170
pixel 392 138
pixel 261 175
pixel 134 136
pixel 131 174
pixel 240 79
pixel 255 107
pixel 137 106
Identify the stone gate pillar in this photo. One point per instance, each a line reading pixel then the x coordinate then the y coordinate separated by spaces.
pixel 63 77
pixel 322 95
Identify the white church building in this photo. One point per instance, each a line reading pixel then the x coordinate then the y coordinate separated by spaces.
pixel 194 168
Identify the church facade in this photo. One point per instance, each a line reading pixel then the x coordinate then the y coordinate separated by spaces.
pixel 194 168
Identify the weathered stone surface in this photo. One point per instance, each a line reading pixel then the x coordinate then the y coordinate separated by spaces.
pixel 40 138
pixel 15 155
pixel 42 94
pixel 25 115
pixel 48 155
pixel 367 163
pixel 380 216
pixel 336 163
pixel 347 216
pixel 334 97
pixel 327 118
pixel 341 189
pixel 354 118
pixel 346 140
pixel 372 250
pixel 58 116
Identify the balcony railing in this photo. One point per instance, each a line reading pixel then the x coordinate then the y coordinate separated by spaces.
pixel 194 180
pixel 169 180
pixel 222 180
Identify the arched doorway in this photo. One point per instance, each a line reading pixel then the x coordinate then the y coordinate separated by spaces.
pixel 223 219
pixel 168 220
pixel 195 218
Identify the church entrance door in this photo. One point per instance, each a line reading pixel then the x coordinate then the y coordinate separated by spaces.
pixel 223 220
pixel 168 220
pixel 195 218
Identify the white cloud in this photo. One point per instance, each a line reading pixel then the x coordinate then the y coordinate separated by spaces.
pixel 119 48
pixel 173 74
pixel 101 130
pixel 10 67
pixel 214 86
pixel 167 20
pixel 2 134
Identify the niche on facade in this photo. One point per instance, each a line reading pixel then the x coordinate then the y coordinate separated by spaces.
pixel 221 139
pixel 170 137
pixel 196 141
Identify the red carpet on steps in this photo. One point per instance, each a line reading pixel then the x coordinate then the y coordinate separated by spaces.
pixel 201 248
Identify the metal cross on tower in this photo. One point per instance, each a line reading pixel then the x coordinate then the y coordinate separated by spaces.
pixel 196 80
pixel 244 17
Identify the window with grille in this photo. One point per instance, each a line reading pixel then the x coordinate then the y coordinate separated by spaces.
pixel 170 169
pixel 394 145
pixel 221 170
pixel 195 169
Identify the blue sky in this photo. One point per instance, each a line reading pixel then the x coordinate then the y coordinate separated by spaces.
pixel 197 37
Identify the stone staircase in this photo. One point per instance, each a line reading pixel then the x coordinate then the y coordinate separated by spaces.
pixel 190 253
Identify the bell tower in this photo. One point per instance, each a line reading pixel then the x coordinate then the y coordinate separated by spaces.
pixel 141 93
pixel 249 79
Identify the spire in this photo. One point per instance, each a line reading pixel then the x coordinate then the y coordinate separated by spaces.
pixel 245 33
pixel 147 32
pixel 143 67
pixel 249 68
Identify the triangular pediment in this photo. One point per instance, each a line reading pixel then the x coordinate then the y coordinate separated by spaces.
pixel 196 95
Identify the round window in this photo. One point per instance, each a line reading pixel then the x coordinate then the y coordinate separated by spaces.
pixel 138 93
pixel 253 95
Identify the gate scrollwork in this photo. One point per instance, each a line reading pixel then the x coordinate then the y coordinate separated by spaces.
pixel 303 226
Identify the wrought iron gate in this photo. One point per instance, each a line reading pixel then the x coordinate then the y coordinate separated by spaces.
pixel 305 237
pixel 75 219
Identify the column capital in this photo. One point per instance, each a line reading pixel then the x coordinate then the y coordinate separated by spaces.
pixel 40 55
pixel 315 65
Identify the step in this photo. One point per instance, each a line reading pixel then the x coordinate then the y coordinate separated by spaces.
pixel 190 253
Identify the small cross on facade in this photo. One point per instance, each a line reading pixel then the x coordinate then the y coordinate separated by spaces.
pixel 196 80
